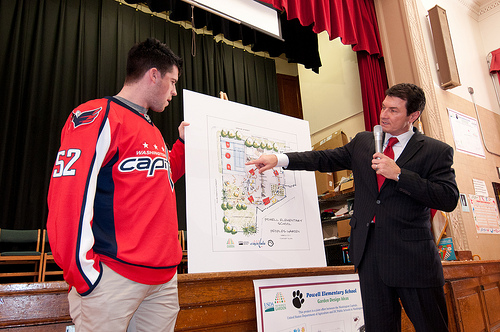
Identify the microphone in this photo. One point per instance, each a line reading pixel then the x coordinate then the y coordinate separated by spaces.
pixel 379 140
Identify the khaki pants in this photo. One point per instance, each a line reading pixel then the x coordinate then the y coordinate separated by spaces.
pixel 120 304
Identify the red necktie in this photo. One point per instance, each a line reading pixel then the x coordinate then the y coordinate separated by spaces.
pixel 389 152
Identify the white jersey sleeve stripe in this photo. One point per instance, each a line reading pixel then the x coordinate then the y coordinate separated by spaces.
pixel 86 237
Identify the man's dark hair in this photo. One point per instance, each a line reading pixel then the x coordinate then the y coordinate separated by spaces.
pixel 412 94
pixel 151 53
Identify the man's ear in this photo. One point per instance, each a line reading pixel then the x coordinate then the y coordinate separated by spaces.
pixel 153 74
pixel 414 116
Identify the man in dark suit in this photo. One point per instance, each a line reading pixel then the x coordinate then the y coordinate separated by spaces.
pixel 391 243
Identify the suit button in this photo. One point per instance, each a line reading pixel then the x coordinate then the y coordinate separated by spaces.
pixel 367 224
pixel 378 201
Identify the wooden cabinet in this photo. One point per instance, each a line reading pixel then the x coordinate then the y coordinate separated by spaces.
pixel 490 289
pixel 477 303
pixel 470 313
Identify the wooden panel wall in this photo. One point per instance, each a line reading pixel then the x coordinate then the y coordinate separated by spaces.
pixel 226 302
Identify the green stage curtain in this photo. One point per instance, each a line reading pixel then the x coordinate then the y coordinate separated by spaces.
pixel 56 54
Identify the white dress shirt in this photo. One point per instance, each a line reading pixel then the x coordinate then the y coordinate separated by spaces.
pixel 401 144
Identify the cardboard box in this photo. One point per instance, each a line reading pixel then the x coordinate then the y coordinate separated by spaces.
pixel 329 231
pixel 343 228
pixel 331 141
pixel 341 174
pixel 327 182
pixel 464 255
pixel 347 186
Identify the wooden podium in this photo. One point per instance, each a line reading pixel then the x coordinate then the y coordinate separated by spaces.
pixel 226 302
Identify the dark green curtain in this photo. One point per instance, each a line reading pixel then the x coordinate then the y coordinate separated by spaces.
pixel 56 54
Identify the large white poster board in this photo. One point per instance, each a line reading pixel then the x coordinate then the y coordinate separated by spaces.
pixel 312 304
pixel 238 219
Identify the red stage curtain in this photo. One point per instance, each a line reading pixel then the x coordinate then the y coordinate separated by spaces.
pixel 373 85
pixel 355 22
pixel 351 20
pixel 495 63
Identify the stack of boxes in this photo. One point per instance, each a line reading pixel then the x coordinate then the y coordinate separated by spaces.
pixel 327 182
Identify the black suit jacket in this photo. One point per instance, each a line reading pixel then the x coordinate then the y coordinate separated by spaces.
pixel 405 250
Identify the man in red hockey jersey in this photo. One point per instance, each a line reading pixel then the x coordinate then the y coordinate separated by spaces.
pixel 112 220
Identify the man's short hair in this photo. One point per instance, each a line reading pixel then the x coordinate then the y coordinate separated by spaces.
pixel 148 54
pixel 412 94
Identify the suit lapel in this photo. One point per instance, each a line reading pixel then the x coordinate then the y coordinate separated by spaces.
pixel 414 144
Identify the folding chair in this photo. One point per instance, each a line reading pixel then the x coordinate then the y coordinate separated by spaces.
pixel 181 236
pixel 48 259
pixel 24 250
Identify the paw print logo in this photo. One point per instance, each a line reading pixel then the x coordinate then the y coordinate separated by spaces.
pixel 297 299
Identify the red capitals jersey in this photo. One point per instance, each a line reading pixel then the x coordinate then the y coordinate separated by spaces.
pixel 111 197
